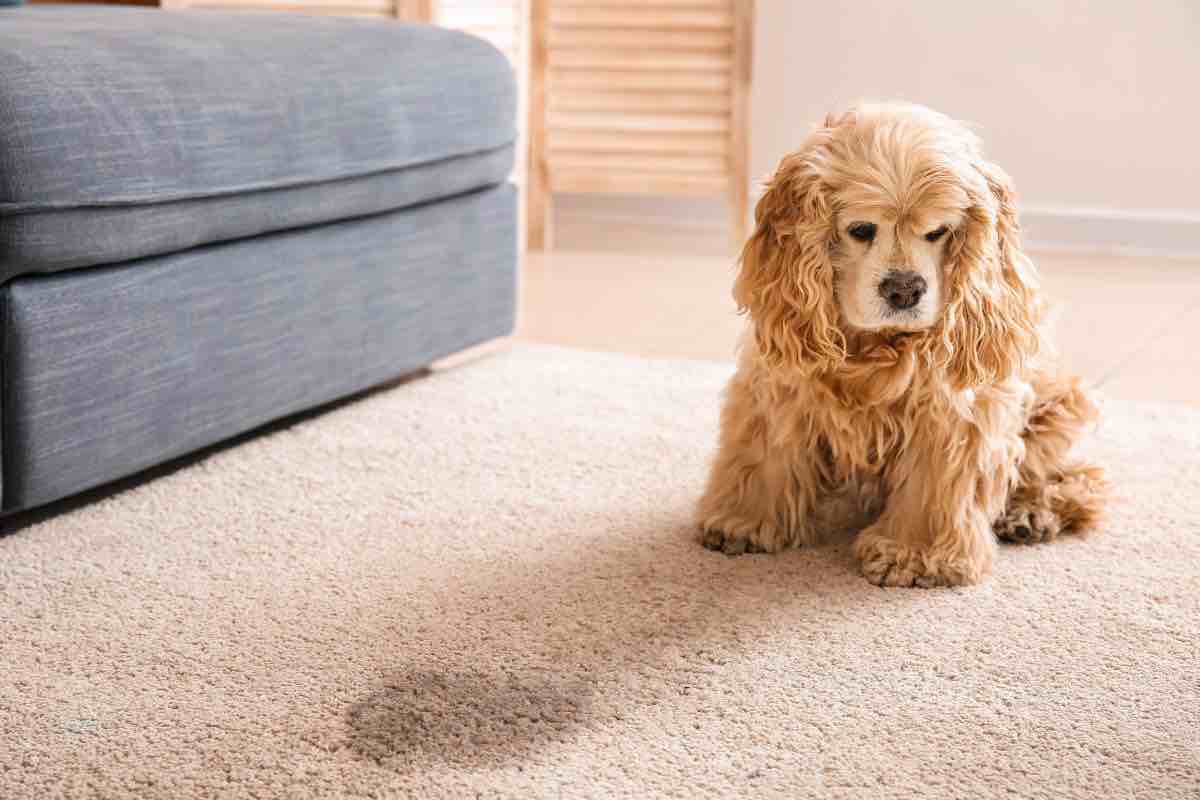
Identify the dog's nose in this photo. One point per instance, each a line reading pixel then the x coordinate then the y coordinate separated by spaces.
pixel 902 290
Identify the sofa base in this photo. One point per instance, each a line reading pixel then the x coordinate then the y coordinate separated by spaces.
pixel 108 371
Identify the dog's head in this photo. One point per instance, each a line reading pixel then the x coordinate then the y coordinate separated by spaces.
pixel 889 221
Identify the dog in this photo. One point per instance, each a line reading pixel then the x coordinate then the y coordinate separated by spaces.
pixel 896 380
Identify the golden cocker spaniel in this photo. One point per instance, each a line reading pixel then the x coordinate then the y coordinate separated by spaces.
pixel 898 382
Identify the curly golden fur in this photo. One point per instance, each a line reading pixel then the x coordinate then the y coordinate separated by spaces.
pixel 928 428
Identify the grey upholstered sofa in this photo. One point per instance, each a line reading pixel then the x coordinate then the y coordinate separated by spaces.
pixel 209 221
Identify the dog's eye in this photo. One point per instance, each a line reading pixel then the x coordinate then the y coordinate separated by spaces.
pixel 863 231
pixel 933 236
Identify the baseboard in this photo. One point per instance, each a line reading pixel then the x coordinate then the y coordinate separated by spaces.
pixel 1162 234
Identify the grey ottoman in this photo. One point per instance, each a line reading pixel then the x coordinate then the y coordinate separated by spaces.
pixel 210 221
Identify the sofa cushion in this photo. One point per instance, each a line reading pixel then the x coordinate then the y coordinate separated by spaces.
pixel 114 369
pixel 130 132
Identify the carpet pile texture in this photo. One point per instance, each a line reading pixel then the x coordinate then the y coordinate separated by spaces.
pixel 484 583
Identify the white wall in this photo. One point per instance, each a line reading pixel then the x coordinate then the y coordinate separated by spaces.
pixel 1093 108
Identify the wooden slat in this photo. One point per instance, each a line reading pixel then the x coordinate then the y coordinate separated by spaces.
pixel 566 80
pixel 667 102
pixel 613 121
pixel 713 166
pixel 640 16
pixel 632 60
pixel 717 40
pixel 644 183
pixel 567 141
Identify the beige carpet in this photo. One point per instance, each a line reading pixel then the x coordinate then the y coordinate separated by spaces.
pixel 483 584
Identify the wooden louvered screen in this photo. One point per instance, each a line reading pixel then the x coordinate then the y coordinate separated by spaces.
pixel 638 97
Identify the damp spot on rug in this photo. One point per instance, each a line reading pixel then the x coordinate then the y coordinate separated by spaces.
pixel 465 718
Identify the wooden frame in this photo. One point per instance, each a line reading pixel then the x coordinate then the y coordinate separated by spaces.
pixel 633 98
pixel 539 235
pixel 739 123
pixel 416 10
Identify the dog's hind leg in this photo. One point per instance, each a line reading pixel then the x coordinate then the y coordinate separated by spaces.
pixel 1054 494
pixel 1072 500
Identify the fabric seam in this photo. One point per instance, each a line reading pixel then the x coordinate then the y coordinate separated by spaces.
pixel 11 208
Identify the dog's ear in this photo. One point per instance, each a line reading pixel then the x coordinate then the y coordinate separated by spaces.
pixel 990 324
pixel 785 279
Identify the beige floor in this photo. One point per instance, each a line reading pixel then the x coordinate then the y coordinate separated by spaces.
pixel 487 584
pixel 1128 325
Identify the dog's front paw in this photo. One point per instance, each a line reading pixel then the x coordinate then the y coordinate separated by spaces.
pixel 731 544
pixel 733 538
pixel 885 562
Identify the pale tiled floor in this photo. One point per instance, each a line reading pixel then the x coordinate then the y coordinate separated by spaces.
pixel 1129 325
